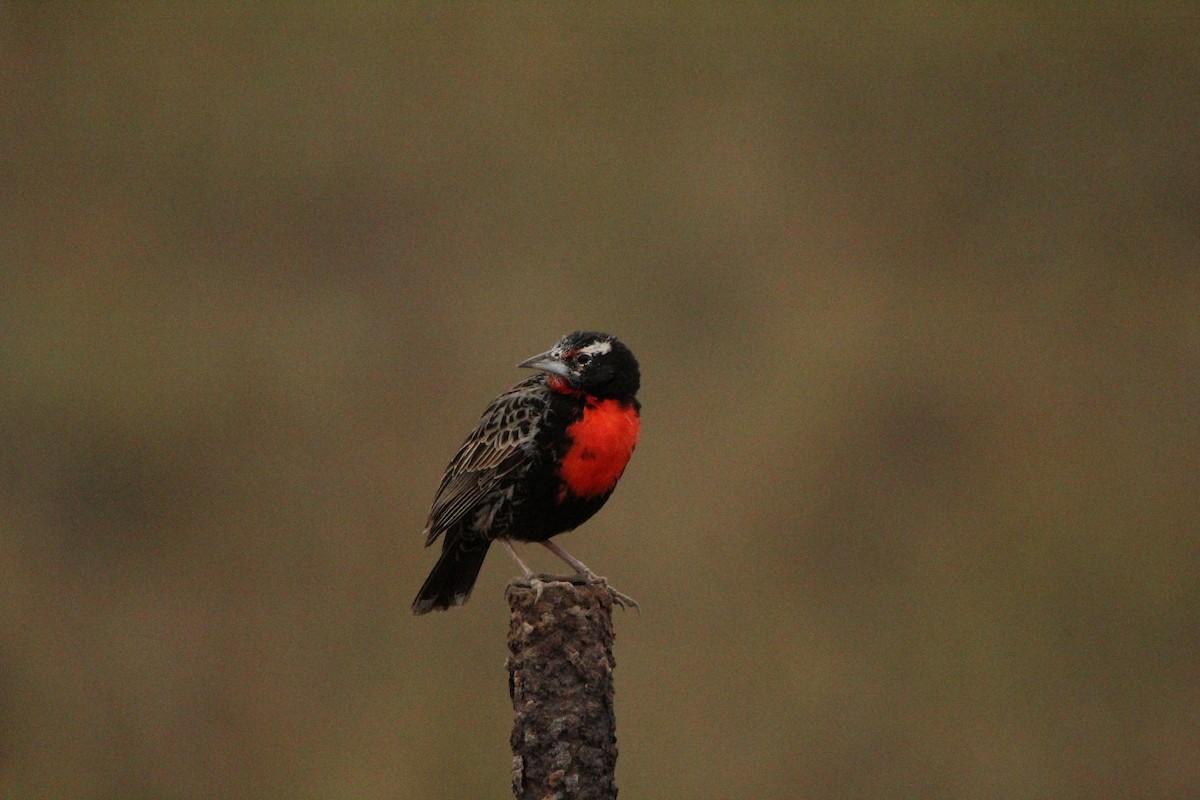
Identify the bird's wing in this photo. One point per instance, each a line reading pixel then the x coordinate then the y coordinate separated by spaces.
pixel 498 445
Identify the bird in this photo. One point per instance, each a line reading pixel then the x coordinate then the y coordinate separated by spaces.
pixel 545 457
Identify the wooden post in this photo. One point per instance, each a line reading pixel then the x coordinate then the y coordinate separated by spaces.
pixel 560 678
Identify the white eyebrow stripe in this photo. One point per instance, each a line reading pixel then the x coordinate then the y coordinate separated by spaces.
pixel 597 348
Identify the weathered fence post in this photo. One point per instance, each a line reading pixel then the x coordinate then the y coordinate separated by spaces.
pixel 560 677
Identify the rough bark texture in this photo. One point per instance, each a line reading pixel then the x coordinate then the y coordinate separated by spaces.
pixel 560 677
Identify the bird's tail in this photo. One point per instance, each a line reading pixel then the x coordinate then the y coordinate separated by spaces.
pixel 453 576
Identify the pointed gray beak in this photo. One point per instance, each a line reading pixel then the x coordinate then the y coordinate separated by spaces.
pixel 546 362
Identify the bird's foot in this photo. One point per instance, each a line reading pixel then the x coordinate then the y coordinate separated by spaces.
pixel 539 582
pixel 618 597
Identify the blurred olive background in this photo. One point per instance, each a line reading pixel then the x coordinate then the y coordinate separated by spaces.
pixel 916 291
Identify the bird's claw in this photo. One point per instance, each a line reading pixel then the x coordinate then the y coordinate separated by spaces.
pixel 620 598
pixel 591 579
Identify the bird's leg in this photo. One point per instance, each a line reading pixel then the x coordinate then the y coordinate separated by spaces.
pixel 575 563
pixel 508 546
pixel 621 599
pixel 534 583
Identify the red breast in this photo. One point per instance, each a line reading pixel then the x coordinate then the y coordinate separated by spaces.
pixel 602 440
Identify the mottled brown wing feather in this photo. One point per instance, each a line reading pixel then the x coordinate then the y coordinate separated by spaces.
pixel 498 445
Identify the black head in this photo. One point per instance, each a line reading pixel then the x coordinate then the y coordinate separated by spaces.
pixel 594 363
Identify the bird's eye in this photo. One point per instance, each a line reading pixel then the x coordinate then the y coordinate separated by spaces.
pixel 583 359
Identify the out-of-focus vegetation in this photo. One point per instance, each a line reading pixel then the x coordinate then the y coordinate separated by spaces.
pixel 916 292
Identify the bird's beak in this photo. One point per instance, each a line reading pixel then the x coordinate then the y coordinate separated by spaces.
pixel 547 362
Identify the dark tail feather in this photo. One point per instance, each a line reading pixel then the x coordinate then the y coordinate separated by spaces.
pixel 452 578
